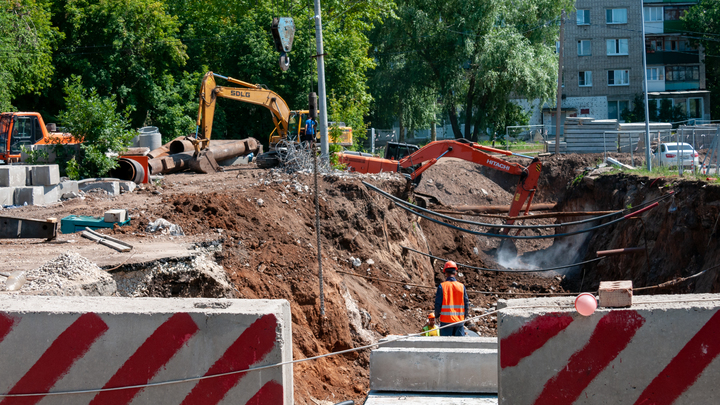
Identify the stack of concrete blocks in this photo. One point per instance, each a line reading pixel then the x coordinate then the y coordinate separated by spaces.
pixel 465 366
pixel 32 185
pixel 587 135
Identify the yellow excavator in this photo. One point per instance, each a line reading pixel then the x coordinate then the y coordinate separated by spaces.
pixel 289 125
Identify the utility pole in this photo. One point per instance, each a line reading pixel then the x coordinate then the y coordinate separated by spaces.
pixel 645 91
pixel 559 88
pixel 322 95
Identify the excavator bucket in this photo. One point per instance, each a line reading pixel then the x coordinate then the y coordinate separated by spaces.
pixel 204 162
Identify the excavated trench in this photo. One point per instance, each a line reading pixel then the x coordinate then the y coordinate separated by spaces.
pixel 374 287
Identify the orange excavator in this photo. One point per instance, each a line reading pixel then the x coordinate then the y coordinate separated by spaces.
pixel 413 161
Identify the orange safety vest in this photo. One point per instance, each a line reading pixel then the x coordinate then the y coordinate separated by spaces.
pixel 453 303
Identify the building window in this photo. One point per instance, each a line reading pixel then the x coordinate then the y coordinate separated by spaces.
pixel 583 17
pixel 557 47
pixel 695 109
pixel 653 14
pixel 656 73
pixel 673 13
pixel 653 45
pixel 616 16
pixel 585 79
pixel 584 48
pixel 617 108
pixel 618 77
pixel 682 73
pixel 617 46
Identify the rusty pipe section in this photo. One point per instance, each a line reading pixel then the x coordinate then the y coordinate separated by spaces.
pixel 219 150
pixel 623 251
pixel 163 150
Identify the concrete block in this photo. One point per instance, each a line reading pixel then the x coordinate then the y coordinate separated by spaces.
pixel 664 349
pixel 7 195
pixel 440 342
pixel 405 398
pixel 28 174
pixel 616 294
pixel 434 370
pixel 45 175
pixel 127 186
pixel 238 160
pixel 68 186
pixel 115 215
pixel 112 187
pixel 106 340
pixel 52 193
pixel 12 176
pixel 29 195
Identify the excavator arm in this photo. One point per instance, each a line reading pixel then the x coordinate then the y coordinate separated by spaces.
pixel 428 155
pixel 248 93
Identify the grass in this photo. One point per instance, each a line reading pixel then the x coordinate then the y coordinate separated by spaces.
pixel 666 171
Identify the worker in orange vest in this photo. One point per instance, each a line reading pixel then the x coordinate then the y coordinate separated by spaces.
pixel 451 302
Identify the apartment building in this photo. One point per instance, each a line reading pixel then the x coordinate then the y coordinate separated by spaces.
pixel 603 66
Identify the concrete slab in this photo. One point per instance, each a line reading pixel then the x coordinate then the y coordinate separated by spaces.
pixel 112 187
pixel 29 195
pixel 12 176
pixel 405 398
pixel 106 340
pixel 7 195
pixel 434 370
pixel 45 175
pixel 663 349
pixel 127 186
pixel 52 193
pixel 439 342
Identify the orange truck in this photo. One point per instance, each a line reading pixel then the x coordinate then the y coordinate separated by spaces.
pixel 18 129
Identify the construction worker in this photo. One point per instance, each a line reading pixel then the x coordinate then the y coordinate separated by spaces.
pixel 451 302
pixel 430 328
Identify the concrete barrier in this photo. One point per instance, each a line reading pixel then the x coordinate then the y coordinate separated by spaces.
pixel 12 176
pixel 433 370
pixel 29 195
pixel 662 350
pixel 440 342
pixel 111 187
pixel 405 398
pixel 7 195
pixel 45 175
pixel 53 344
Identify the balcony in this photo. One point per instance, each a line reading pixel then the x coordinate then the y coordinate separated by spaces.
pixel 684 85
pixel 672 58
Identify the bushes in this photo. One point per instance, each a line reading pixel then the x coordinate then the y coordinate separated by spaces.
pixel 94 120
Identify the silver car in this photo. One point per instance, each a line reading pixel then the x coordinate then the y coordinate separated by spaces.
pixel 668 155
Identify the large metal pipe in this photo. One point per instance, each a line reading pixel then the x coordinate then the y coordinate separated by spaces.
pixel 220 150
pixel 163 150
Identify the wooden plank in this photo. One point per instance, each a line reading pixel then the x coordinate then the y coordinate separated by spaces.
pixel 103 241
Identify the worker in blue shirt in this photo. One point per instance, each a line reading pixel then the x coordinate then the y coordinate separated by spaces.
pixel 310 126
pixel 451 302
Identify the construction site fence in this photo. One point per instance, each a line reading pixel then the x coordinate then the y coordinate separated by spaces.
pixel 705 140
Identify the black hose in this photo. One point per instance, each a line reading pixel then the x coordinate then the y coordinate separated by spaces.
pixel 505 270
pixel 465 221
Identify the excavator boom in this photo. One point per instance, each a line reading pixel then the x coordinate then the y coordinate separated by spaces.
pixel 248 93
pixel 421 160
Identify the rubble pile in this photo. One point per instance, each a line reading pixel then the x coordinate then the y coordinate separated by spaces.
pixel 69 274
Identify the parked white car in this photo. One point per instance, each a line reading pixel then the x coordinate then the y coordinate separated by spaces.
pixel 668 155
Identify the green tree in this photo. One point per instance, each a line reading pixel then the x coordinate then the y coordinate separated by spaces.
pixel 94 120
pixel 125 48
pixel 478 54
pixel 704 20
pixel 27 39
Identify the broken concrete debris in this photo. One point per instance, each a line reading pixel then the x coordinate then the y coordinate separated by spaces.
pixel 165 226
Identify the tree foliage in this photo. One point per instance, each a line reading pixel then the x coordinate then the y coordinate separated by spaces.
pixel 96 122
pixel 27 39
pixel 704 20
pixel 474 56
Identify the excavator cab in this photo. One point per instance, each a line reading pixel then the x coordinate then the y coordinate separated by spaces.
pixel 397 151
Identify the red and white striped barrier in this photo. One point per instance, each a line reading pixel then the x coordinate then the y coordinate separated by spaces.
pixel 663 350
pixel 80 344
